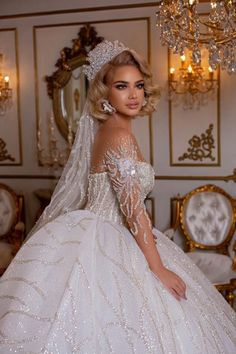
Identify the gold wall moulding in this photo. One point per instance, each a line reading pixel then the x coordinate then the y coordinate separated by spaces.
pixel 201 147
pixel 4 155
pixel 226 178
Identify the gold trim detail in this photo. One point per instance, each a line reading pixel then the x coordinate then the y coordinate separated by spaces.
pixel 226 178
pixel 201 147
pixel 4 153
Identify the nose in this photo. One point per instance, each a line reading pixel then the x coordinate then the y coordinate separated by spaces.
pixel 133 93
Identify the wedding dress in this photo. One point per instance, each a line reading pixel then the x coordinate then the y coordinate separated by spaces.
pixel 81 284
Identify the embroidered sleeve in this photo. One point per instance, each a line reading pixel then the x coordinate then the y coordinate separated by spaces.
pixel 121 164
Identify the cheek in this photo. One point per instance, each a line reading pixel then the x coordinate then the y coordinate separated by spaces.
pixel 117 97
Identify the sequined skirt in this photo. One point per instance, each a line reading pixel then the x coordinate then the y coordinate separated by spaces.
pixel 82 285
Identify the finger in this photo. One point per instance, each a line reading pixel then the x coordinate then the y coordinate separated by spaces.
pixel 179 290
pixel 181 285
pixel 175 294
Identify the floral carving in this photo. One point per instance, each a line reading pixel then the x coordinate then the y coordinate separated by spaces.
pixel 4 153
pixel 201 147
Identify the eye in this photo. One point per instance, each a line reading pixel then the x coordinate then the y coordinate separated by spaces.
pixel 121 86
pixel 140 85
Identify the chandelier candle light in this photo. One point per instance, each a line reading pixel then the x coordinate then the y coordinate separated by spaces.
pixel 182 27
pixel 5 92
pixel 191 84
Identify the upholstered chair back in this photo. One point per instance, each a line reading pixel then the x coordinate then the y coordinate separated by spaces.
pixel 207 217
pixel 9 208
pixel 11 225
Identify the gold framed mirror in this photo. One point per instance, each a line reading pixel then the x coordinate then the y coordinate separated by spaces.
pixel 67 86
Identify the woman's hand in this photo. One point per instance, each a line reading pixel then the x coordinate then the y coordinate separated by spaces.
pixel 172 282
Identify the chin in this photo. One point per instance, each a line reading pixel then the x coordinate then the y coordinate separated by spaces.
pixel 133 113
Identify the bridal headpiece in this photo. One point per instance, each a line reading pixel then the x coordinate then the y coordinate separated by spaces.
pixel 100 55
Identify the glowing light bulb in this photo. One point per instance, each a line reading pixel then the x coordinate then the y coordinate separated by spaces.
pixel 172 70
pixel 183 58
pixel 190 69
pixel 213 4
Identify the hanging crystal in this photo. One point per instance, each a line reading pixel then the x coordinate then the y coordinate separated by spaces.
pixel 182 27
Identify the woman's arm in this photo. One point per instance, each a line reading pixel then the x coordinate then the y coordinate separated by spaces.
pixel 120 161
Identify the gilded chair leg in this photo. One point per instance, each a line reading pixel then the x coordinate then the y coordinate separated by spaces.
pixel 229 296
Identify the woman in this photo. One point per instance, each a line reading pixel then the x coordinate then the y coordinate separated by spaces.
pixel 91 278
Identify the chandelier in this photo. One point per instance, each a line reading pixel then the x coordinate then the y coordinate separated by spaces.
pixel 191 84
pixel 5 92
pixel 182 27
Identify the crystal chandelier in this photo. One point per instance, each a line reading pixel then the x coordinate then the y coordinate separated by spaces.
pixel 183 27
pixel 191 85
pixel 5 92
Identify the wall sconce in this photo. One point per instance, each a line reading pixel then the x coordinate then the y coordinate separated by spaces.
pixel 190 84
pixel 5 92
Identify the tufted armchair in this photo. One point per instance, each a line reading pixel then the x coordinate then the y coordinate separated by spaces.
pixel 11 225
pixel 206 218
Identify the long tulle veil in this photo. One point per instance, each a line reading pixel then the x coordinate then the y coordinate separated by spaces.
pixel 71 189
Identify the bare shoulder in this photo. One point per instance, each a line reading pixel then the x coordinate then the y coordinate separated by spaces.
pixel 115 136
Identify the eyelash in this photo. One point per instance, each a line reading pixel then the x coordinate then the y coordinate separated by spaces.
pixel 123 86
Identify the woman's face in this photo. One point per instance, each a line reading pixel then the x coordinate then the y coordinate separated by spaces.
pixel 126 90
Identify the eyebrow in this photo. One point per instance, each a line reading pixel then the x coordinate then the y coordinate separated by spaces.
pixel 126 82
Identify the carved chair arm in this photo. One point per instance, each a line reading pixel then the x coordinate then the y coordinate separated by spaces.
pixel 16 237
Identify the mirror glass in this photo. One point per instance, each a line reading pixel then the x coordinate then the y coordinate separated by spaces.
pixel 73 98
pixel 67 86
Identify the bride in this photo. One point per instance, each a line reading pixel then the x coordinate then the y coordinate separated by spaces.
pixel 94 276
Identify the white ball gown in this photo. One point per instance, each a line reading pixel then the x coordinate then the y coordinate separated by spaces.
pixel 81 284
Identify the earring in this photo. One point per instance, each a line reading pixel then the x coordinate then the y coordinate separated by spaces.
pixel 107 107
pixel 144 102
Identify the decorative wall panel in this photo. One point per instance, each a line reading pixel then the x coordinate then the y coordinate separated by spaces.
pixel 195 133
pixel 10 123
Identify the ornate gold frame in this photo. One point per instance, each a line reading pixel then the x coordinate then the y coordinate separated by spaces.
pixel 177 219
pixel 70 59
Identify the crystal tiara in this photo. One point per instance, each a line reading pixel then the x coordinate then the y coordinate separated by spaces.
pixel 100 55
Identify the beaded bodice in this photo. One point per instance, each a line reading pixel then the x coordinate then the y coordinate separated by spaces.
pixel 102 199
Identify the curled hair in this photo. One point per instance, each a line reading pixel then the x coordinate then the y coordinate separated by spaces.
pixel 98 90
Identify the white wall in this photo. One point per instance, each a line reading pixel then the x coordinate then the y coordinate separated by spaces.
pixel 170 180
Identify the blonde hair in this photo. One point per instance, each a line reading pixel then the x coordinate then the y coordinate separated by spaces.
pixel 98 90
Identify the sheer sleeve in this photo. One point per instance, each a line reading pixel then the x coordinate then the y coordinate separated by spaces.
pixel 121 164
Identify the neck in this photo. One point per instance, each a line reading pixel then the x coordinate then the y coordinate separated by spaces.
pixel 119 121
